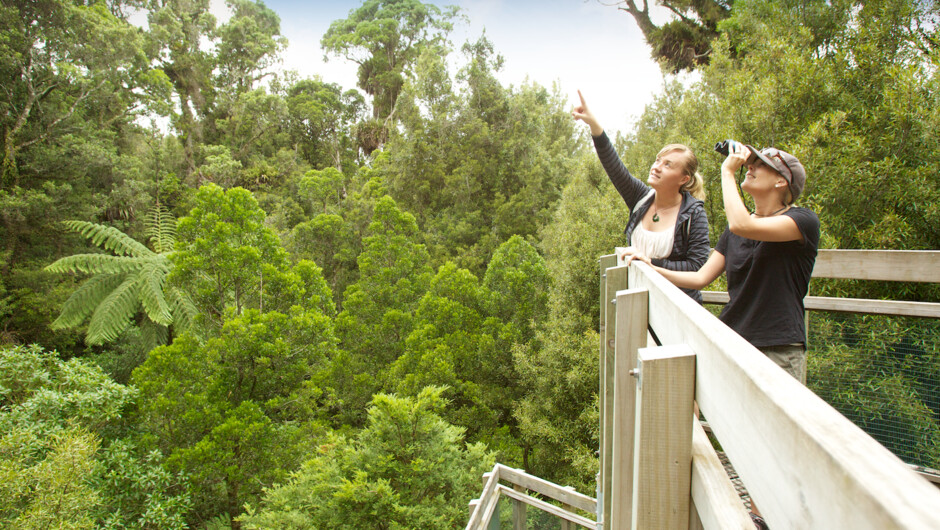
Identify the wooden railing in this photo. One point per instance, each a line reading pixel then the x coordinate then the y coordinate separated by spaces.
pixel 917 266
pixel 484 509
pixel 803 463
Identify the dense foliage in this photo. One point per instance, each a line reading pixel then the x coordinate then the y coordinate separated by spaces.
pixel 288 311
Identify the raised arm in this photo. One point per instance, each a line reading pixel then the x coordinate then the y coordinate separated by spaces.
pixel 583 113
pixel 740 221
pixel 629 187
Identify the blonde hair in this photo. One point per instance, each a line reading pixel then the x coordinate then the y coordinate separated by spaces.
pixel 696 184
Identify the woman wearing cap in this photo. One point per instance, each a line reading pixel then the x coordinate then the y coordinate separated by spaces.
pixel 668 226
pixel 768 255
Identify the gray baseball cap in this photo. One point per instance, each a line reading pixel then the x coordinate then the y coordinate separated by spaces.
pixel 787 165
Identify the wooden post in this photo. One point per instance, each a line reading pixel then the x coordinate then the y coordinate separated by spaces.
pixel 566 524
pixel 518 511
pixel 613 279
pixel 631 325
pixel 663 454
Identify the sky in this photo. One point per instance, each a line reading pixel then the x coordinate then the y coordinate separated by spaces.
pixel 580 44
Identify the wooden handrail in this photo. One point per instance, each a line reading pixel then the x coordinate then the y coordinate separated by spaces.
pixel 568 496
pixel 851 305
pixel 921 266
pixel 484 507
pixel 918 266
pixel 806 465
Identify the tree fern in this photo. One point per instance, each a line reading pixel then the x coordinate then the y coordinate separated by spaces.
pixel 161 227
pixel 85 299
pixel 97 264
pixel 115 312
pixel 108 238
pixel 124 285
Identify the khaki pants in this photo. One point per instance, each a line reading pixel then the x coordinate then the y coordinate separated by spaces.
pixel 790 357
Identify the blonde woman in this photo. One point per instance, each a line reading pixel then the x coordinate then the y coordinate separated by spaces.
pixel 668 226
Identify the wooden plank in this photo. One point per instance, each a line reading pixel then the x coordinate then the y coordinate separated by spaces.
pixel 851 305
pixel 616 281
pixel 805 464
pixel 549 489
pixel 603 473
pixel 549 508
pixel 518 512
pixel 875 307
pixel 478 518
pixel 491 508
pixel 662 474
pixel 887 265
pixel 631 333
pixel 718 504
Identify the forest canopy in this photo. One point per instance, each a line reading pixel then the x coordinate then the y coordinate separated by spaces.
pixel 227 322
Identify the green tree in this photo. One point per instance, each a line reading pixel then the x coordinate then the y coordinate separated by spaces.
pixel 558 368
pixel 407 469
pixel 57 58
pixel 58 465
pixel 517 149
pixel 237 412
pixel 321 120
pixel 385 38
pixel 446 346
pixel 249 44
pixel 228 260
pixel 683 43
pixel 378 310
pixel 176 29
pixel 131 282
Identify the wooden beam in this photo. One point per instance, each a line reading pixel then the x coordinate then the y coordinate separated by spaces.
pixel 631 333
pixel 804 464
pixel 550 508
pixel 887 265
pixel 546 488
pixel 616 280
pixel 718 504
pixel 482 508
pixel 662 473
pixel 851 305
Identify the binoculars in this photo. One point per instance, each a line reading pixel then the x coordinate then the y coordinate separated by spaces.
pixel 723 146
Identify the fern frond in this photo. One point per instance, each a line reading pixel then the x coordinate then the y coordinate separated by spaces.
pixel 161 227
pixel 153 335
pixel 97 264
pixel 84 300
pixel 150 291
pixel 109 238
pixel 183 309
pixel 113 314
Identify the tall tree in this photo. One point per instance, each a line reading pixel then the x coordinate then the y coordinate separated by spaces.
pixel 683 43
pixel 385 38
pixel 378 310
pixel 55 60
pixel 228 260
pixel 517 148
pixel 321 118
pixel 176 30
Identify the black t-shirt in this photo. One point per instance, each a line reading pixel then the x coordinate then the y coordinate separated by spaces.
pixel 767 282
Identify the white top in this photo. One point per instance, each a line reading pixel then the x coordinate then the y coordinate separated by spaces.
pixel 653 244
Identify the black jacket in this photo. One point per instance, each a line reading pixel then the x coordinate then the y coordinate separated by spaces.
pixel 690 244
